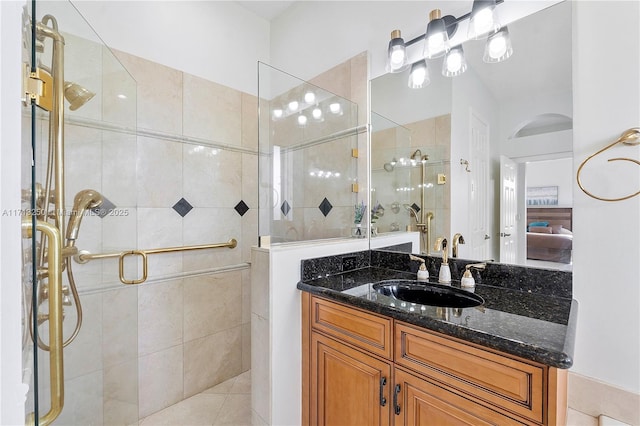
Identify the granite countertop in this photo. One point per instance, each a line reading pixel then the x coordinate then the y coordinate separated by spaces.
pixel 534 326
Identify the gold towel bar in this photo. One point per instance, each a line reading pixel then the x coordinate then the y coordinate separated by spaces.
pixel 84 256
pixel 629 137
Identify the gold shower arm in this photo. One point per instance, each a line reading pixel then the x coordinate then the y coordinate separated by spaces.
pixel 84 257
pixel 629 137
pixel 55 316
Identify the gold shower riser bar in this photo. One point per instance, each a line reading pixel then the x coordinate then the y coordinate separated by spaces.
pixel 84 257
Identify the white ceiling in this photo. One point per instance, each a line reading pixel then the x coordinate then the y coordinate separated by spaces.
pixel 266 9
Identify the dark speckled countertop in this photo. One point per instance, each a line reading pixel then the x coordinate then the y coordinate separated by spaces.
pixel 534 325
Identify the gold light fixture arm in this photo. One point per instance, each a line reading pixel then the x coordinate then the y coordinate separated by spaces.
pixel 84 257
pixel 55 316
pixel 629 137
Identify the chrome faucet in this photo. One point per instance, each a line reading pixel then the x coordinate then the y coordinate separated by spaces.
pixel 457 239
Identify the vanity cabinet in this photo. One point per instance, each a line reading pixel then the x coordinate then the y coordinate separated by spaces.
pixel 368 369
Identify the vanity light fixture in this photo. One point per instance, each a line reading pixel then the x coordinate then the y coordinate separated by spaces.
pixel 436 38
pixel 454 62
pixel 277 113
pixel 293 106
pixel 419 75
pixel 440 29
pixel 483 20
pixel 302 120
pixel 316 113
pixel 397 53
pixel 335 108
pixel 309 97
pixel 498 47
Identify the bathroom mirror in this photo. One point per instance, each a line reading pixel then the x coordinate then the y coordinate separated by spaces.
pixel 498 128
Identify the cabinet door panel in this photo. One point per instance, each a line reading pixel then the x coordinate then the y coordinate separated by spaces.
pixel 425 403
pixel 346 386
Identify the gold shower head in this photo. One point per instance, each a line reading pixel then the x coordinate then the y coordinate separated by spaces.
pixel 76 95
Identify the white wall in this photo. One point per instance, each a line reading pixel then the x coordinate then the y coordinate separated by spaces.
pixel 11 390
pixel 553 173
pixel 220 41
pixel 606 250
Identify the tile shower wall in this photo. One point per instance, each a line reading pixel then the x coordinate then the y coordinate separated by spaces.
pixel 433 138
pixel 188 177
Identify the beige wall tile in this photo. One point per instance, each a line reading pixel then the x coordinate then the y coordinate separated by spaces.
pixel 336 80
pixel 83 401
pixel 84 355
pixel 159 172
pixel 119 152
pixel 260 283
pixel 83 161
pixel 120 326
pixel 249 121
pixel 160 227
pixel 160 316
pixel 198 410
pixel 212 111
pixel 160 377
pixel 212 177
pixel 212 303
pixel 246 295
pixel 246 346
pixel 121 393
pixel 234 411
pixel 260 367
pixel 250 180
pixel 249 233
pixel 212 359
pixel 159 90
pixel 119 92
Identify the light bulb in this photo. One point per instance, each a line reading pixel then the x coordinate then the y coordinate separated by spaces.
pixel 309 97
pixel 483 21
pixel 293 106
pixel 436 43
pixel 277 113
pixel 498 47
pixel 454 63
pixel 419 75
pixel 335 108
pixel 302 119
pixel 398 53
pixel 317 113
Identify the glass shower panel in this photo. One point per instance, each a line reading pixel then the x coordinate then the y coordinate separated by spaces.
pixel 96 172
pixel 390 175
pixel 308 139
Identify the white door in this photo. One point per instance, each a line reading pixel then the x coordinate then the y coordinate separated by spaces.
pixel 478 187
pixel 508 210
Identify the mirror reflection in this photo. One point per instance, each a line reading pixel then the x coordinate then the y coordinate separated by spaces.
pixel 486 154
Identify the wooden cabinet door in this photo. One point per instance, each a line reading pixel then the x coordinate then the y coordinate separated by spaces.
pixel 421 402
pixel 348 387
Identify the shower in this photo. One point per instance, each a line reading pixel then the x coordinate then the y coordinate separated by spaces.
pixel 55 247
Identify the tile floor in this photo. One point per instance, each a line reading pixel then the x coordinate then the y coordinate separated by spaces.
pixel 228 403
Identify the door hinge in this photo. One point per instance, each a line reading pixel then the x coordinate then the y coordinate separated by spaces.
pixel 38 87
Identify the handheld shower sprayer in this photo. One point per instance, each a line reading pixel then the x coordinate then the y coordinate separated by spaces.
pixel 85 199
pixel 411 210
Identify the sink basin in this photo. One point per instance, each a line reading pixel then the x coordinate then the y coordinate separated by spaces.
pixel 428 294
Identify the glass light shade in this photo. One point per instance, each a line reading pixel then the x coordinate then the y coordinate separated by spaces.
pixel 302 120
pixel 419 76
pixel 454 62
pixel 317 113
pixel 335 108
pixel 483 19
pixel 293 106
pixel 277 113
pixel 309 97
pixel 498 47
pixel 436 42
pixel 397 54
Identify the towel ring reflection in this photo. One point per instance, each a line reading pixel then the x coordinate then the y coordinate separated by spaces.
pixel 629 137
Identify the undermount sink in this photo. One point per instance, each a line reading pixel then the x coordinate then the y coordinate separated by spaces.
pixel 428 294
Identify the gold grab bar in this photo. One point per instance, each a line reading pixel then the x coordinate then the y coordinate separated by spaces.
pixel 84 257
pixel 629 137
pixel 55 316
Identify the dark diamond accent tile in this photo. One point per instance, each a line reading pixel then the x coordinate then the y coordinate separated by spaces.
pixel 415 207
pixel 105 208
pixel 182 207
pixel 285 207
pixel 325 207
pixel 241 208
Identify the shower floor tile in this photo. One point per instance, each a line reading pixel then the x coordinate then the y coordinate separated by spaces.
pixel 228 403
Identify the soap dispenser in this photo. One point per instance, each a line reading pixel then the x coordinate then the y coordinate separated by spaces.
pixel 445 272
